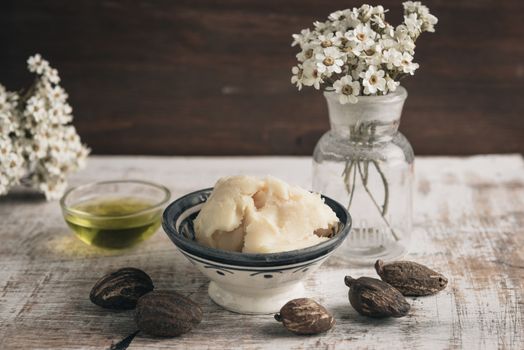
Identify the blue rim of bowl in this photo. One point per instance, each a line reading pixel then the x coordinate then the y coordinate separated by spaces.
pixel 174 210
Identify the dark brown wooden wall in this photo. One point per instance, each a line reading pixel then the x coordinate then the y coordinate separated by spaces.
pixel 202 77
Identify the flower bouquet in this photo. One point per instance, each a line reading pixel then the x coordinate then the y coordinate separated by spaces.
pixel 359 59
pixel 38 145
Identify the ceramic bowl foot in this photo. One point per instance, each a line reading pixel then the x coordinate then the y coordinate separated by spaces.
pixel 263 301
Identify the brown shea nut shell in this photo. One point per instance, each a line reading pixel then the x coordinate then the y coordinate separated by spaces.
pixel 121 289
pixel 411 278
pixel 375 298
pixel 305 316
pixel 167 314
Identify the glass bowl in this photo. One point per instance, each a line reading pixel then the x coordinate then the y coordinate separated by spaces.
pixel 114 214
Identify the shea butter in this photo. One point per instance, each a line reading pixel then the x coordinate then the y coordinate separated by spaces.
pixel 251 215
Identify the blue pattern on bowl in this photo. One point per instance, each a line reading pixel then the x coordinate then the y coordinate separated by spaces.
pixel 178 220
pixel 242 282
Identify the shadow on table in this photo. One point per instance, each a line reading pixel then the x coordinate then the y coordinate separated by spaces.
pixel 276 330
pixel 66 244
pixel 23 195
pixel 345 312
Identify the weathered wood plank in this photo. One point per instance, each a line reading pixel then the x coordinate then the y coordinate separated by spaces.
pixel 469 217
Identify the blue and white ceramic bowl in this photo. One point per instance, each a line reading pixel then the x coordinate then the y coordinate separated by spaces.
pixel 242 282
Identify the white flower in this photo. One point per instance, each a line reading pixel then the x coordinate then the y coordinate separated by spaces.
pixel 379 10
pixel 36 140
pixel 337 16
pixel 34 105
pixel 307 52
pixel 407 65
pixel 305 74
pixel 37 65
pixel 365 12
pixel 428 21
pixel 413 24
pixel 363 36
pixel 391 84
pixel 344 19
pixel 58 114
pixel 411 6
pixel 392 58
pixel 347 89
pixel 34 62
pixel 310 75
pixel 405 42
pixel 52 76
pixel 401 33
pixel 67 109
pixel 378 21
pixel 378 17
pixel 388 32
pixel 373 80
pixel 326 40
pixel 339 39
pixel 374 55
pixel 387 42
pixel 302 38
pixel 11 165
pixel 296 78
pixel 6 147
pixel 357 70
pixel 352 47
pixel 56 94
pixel 54 189
pixel 358 43
pixel 328 60
pixel 320 27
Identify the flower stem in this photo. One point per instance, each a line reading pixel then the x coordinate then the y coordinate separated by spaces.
pixel 366 131
pixel 353 187
pixel 350 183
pixel 386 188
pixel 366 172
pixel 347 173
pixel 375 202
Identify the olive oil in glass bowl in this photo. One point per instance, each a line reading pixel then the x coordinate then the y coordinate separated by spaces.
pixel 114 214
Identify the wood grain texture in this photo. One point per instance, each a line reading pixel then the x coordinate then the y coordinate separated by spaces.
pixel 203 77
pixel 469 219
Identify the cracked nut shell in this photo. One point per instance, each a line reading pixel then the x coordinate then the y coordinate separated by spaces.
pixel 167 314
pixel 375 298
pixel 411 278
pixel 121 289
pixel 305 316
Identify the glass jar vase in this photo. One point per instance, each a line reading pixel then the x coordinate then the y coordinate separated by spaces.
pixel 365 163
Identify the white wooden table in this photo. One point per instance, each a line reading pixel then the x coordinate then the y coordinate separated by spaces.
pixel 469 218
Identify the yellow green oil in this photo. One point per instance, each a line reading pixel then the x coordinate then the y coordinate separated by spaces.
pixel 114 222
